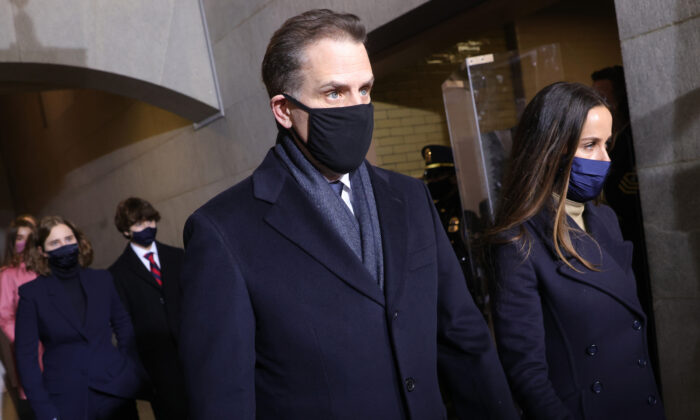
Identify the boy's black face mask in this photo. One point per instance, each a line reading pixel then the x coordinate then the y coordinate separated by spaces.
pixel 339 138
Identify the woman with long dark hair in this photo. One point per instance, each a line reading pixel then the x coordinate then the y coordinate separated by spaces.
pixel 19 243
pixel 73 311
pixel 570 329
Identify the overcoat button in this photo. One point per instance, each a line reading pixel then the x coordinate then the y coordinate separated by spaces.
pixel 642 363
pixel 651 400
pixel 162 301
pixel 637 325
pixel 597 387
pixel 396 315
pixel 410 384
pixel 592 350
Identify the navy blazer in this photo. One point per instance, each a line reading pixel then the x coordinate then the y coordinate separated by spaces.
pixel 77 356
pixel 573 343
pixel 282 320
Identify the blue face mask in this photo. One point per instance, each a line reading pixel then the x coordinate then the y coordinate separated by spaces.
pixel 587 179
pixel 144 237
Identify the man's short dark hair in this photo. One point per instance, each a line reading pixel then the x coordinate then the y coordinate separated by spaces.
pixel 134 210
pixel 616 75
pixel 284 55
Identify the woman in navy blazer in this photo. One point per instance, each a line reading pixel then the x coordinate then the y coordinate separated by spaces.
pixel 570 330
pixel 73 312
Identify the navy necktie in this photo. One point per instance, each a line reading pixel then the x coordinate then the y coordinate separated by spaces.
pixel 155 270
pixel 337 187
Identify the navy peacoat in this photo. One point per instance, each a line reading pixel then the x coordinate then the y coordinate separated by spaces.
pixel 282 321
pixel 573 342
pixel 77 355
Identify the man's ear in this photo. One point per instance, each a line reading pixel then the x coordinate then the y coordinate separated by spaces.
pixel 126 234
pixel 281 111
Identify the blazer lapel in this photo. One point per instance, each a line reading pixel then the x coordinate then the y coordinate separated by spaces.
pixel 293 216
pixel 57 298
pixel 138 268
pixel 392 223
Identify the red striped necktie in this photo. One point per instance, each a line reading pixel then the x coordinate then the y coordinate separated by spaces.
pixel 155 270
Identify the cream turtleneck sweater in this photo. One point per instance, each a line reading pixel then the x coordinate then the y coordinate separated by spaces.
pixel 575 210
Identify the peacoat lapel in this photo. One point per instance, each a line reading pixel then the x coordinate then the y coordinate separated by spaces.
pixel 294 217
pixel 58 300
pixel 608 257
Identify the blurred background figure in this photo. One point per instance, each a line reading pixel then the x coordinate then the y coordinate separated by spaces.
pixel 621 189
pixel 441 179
pixel 19 243
pixel 147 277
pixel 74 312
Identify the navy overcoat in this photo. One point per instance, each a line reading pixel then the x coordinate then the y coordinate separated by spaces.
pixel 77 355
pixel 282 321
pixel 574 343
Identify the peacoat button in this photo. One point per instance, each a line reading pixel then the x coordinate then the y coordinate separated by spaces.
pixel 395 315
pixel 642 363
pixel 162 301
pixel 651 400
pixel 637 325
pixel 410 384
pixel 592 350
pixel 597 387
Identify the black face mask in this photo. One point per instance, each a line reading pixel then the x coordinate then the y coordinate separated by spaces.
pixel 144 237
pixel 63 261
pixel 339 138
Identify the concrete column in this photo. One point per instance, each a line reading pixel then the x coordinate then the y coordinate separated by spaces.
pixel 660 41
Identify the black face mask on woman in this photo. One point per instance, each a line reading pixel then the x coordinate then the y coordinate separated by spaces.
pixel 339 137
pixel 63 261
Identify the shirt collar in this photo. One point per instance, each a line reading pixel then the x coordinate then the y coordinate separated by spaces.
pixel 345 180
pixel 141 252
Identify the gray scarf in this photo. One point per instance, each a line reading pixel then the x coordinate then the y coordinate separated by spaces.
pixel 361 230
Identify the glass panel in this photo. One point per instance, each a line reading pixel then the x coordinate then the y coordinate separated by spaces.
pixel 483 101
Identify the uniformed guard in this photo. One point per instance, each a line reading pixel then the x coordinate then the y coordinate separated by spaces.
pixel 441 179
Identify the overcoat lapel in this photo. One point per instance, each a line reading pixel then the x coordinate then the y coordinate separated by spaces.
pixel 392 223
pixel 293 216
pixel 57 297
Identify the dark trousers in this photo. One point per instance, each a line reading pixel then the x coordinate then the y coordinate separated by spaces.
pixel 102 406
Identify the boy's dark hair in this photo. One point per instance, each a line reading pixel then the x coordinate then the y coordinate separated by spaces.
pixel 133 210
pixel 284 55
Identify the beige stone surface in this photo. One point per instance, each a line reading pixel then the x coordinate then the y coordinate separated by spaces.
pixel 159 42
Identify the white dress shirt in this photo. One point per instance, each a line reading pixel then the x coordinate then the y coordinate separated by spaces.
pixel 346 192
pixel 141 253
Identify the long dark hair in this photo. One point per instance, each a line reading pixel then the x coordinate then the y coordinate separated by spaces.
pixel 543 151
pixel 13 258
pixel 39 263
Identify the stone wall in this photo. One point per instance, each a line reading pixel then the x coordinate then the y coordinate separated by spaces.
pixel 660 42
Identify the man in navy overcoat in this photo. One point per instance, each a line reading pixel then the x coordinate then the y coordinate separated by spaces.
pixel 321 287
